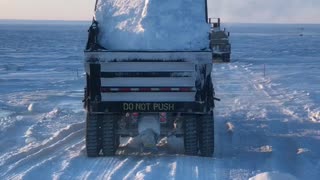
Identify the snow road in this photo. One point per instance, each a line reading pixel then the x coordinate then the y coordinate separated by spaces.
pixel 255 132
pixel 263 123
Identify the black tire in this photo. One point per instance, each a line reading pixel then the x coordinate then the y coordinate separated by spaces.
pixel 226 58
pixel 117 141
pixel 110 141
pixel 190 135
pixel 206 137
pixel 93 143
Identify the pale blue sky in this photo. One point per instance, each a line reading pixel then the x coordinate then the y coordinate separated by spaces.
pixel 279 11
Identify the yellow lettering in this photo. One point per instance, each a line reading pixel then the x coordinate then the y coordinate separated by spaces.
pixel 148 106
pixel 164 107
pixel 142 107
pixel 171 107
pixel 155 106
pixel 128 106
pixel 125 106
pixel 137 106
pixel 131 106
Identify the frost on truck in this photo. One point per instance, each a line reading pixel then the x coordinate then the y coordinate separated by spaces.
pixel 149 62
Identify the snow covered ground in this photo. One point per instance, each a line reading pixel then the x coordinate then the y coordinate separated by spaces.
pixel 266 126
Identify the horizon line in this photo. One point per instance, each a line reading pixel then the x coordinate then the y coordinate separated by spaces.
pixel 78 21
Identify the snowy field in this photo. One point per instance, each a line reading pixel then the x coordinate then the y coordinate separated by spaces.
pixel 267 124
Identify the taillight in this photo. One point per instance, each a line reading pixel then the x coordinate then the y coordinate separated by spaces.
pixel 163 117
pixel 134 117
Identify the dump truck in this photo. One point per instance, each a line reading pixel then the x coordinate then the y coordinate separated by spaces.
pixel 219 42
pixel 126 87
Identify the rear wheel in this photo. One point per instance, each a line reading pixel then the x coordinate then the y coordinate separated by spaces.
pixel 190 135
pixel 93 143
pixel 206 138
pixel 110 141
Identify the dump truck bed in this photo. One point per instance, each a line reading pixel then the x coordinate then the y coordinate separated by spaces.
pixel 150 80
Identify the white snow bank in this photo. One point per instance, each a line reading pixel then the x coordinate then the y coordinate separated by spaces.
pixel 302 150
pixel 52 114
pixel 265 149
pixel 314 116
pixel 4 113
pixel 230 127
pixel 152 24
pixel 29 136
pixel 273 176
pixel 36 107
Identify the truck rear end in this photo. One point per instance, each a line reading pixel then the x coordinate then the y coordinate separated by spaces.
pixel 127 88
pixel 177 84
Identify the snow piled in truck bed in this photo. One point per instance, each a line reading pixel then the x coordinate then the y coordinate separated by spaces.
pixel 152 24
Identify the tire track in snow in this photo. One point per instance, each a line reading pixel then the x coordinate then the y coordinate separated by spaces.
pixel 110 168
pixel 194 168
pixel 29 156
pixel 148 167
pixel 242 106
pixel 73 152
pixel 255 116
pixel 88 168
pixel 47 167
pixel 276 125
pixel 285 99
pixel 143 174
pixel 265 94
pixel 131 174
pixel 154 168
pixel 26 165
pixel 129 165
pixel 114 168
pixel 133 167
pixel 283 122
